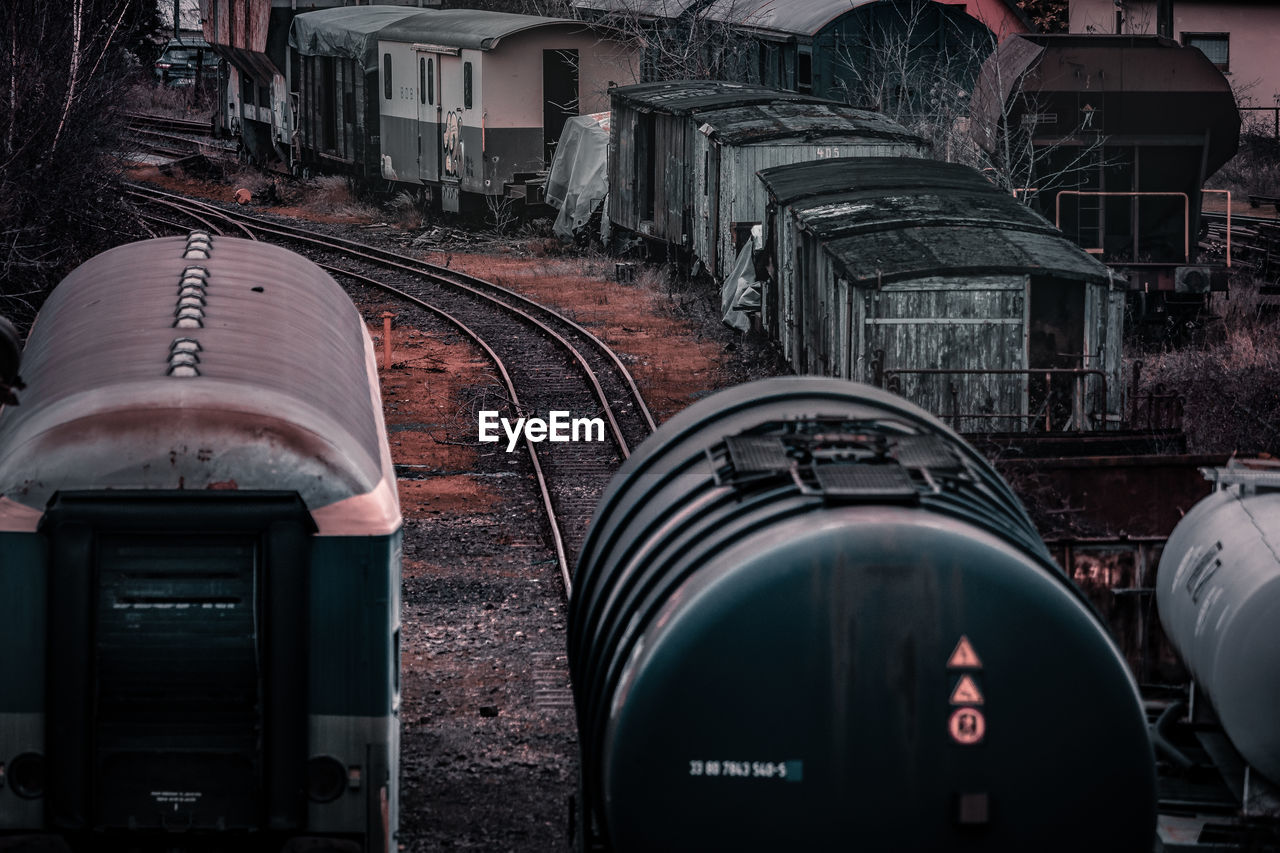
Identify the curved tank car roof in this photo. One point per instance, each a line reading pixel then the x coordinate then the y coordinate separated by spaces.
pixel 200 363
pixel 889 219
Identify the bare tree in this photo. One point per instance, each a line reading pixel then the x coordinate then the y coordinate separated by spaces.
pixel 60 75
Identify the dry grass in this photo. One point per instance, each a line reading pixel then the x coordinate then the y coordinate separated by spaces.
pixel 1254 170
pixel 1230 385
pixel 175 102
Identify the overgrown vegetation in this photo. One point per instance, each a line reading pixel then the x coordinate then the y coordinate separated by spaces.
pixel 1231 384
pixel 62 67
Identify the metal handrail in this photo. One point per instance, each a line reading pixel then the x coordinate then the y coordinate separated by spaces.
pixel 1186 212
pixel 1047 372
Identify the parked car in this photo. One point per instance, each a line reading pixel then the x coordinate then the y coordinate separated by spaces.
pixel 177 65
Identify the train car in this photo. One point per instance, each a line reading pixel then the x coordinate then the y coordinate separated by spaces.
pixel 259 101
pixel 685 154
pixel 472 102
pixel 1218 593
pixel 924 276
pixel 808 616
pixel 335 54
pixel 1113 138
pixel 200 579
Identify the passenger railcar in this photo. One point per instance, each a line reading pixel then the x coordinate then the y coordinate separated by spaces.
pixel 1115 137
pixel 685 155
pixel 925 277
pixel 199 588
pixel 469 103
pixel 808 616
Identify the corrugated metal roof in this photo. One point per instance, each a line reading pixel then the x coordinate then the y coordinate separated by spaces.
pixel 475 29
pixel 680 97
pixel 282 399
pixel 765 122
pixel 888 219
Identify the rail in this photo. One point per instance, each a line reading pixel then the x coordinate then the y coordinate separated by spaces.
pixel 1186 212
pixel 886 378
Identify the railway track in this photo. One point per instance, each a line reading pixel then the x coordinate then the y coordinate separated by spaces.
pixel 153 122
pixel 547 361
pixel 1254 242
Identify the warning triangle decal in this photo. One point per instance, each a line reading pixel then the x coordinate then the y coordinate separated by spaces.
pixel 964 657
pixel 966 692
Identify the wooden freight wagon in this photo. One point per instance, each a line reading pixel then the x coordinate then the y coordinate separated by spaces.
pixel 337 61
pixel 924 277
pixel 652 146
pixel 735 142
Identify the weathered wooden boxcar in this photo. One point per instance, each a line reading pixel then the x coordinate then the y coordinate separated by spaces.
pixel 734 142
pixel 925 277
pixel 685 154
pixel 335 53
pixel 474 101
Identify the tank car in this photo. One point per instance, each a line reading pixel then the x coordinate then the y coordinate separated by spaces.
pixel 201 546
pixel 808 616
pixel 1218 592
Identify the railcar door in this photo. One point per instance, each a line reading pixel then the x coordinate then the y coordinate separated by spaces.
pixel 455 90
pixel 177 661
pixel 428 115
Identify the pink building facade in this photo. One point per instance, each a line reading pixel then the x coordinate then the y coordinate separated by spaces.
pixel 1240 36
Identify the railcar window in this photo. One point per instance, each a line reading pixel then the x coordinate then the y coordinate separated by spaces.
pixel 422 80
pixel 466 85
pixel 804 72
pixel 431 81
pixel 386 76
pixel 1216 46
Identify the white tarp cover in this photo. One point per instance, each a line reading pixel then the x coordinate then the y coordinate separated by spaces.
pixel 740 294
pixel 579 176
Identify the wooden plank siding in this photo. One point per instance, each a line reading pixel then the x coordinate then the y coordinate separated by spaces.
pixel 725 203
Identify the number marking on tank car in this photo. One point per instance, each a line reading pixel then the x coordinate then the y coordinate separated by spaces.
pixel 789 771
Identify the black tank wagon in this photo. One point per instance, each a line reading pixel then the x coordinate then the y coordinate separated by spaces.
pixel 200 541
pixel 808 616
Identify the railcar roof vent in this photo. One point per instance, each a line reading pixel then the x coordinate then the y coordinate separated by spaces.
pixel 199 245
pixel 184 356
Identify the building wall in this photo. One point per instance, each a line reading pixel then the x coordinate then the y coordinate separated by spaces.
pixel 1253 28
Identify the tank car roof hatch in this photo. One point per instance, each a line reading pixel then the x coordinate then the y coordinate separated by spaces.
pixel 269 383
